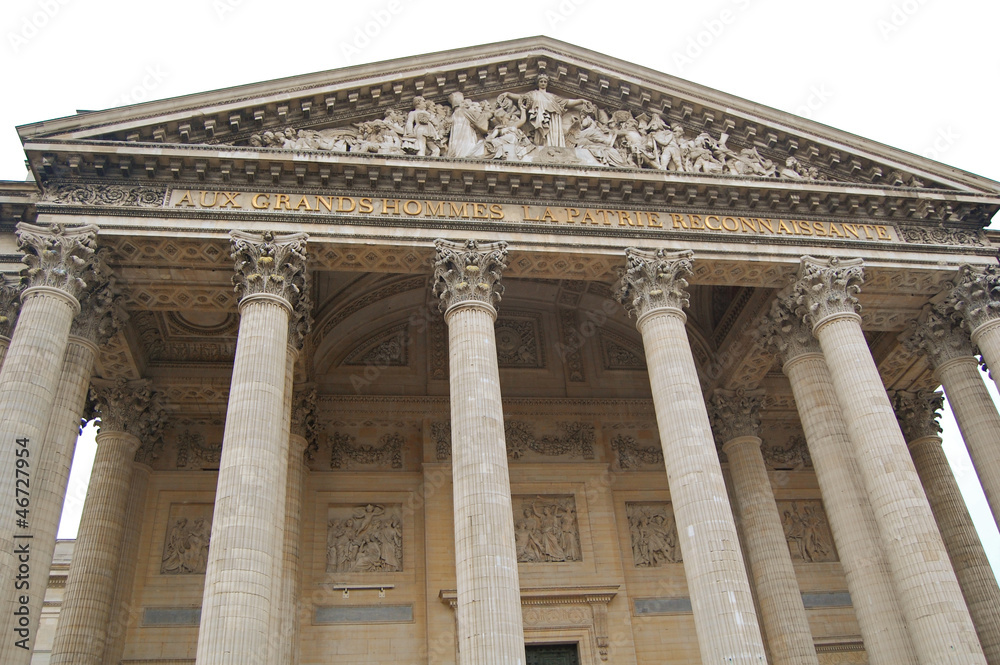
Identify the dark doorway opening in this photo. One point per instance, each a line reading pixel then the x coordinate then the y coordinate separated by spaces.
pixel 552 654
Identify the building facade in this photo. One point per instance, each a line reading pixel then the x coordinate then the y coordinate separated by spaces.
pixel 513 352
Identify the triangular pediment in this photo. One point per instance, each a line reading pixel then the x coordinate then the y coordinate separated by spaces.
pixel 476 107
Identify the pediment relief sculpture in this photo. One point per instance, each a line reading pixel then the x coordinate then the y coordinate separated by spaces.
pixel 541 126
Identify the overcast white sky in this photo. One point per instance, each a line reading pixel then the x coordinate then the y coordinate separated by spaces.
pixel 920 75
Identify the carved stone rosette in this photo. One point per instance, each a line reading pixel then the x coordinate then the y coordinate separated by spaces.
pixel 58 256
pixel 102 314
pixel 735 414
pixel 653 280
pixel 270 264
pixel 917 412
pixel 125 406
pixel 977 295
pixel 784 333
pixel 939 336
pixel 468 272
pixel 10 305
pixel 826 287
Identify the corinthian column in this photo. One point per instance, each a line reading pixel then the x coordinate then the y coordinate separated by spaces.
pixel 490 631
pixel 735 420
pixel 81 633
pixel 976 298
pixel 953 357
pixel 929 595
pixel 851 519
pixel 249 506
pixel 10 305
pixel 97 321
pixel 917 413
pixel 653 287
pixel 58 259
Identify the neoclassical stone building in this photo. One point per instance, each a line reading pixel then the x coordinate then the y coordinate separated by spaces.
pixel 699 427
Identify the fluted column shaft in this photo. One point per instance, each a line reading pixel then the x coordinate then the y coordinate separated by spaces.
pixel 53 475
pixel 4 345
pixel 929 595
pixel 295 485
pixel 489 596
pixel 90 585
pixel 851 520
pixel 29 380
pixel 238 598
pixel 122 611
pixel 713 564
pixel 781 608
pixel 279 643
pixel 978 421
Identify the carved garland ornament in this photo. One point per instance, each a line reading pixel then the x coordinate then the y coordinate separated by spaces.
pixel 826 287
pixel 61 257
pixel 654 279
pixel 343 450
pixel 468 272
pixel 631 454
pixel 269 264
pixel 578 440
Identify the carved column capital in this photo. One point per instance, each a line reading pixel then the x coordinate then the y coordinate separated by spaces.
pixel 917 413
pixel 939 336
pixel 976 296
pixel 269 264
pixel 735 414
pixel 468 272
pixel 784 333
pixel 10 305
pixel 57 256
pixel 126 406
pixel 827 287
pixel 654 280
pixel 102 313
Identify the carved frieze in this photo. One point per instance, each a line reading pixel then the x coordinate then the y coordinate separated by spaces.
pixel 793 454
pixel 518 342
pixel 186 543
pixel 940 235
pixel 105 195
pixel 632 455
pixel 807 531
pixel 387 349
pixel 542 127
pixel 545 529
pixel 346 453
pixel 653 534
pixel 577 440
pixel 194 451
pixel 364 539
pixel 620 353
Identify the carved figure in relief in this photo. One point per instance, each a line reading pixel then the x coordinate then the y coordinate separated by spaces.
pixel 653 534
pixel 589 134
pixel 547 531
pixel 506 140
pixel 421 132
pixel 808 532
pixel 186 547
pixel 545 113
pixel 468 122
pixel 369 540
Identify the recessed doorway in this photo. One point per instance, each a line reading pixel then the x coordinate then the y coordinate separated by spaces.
pixel 552 654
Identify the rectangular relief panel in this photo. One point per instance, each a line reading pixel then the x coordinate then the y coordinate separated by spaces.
pixel 546 529
pixel 364 538
pixel 185 545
